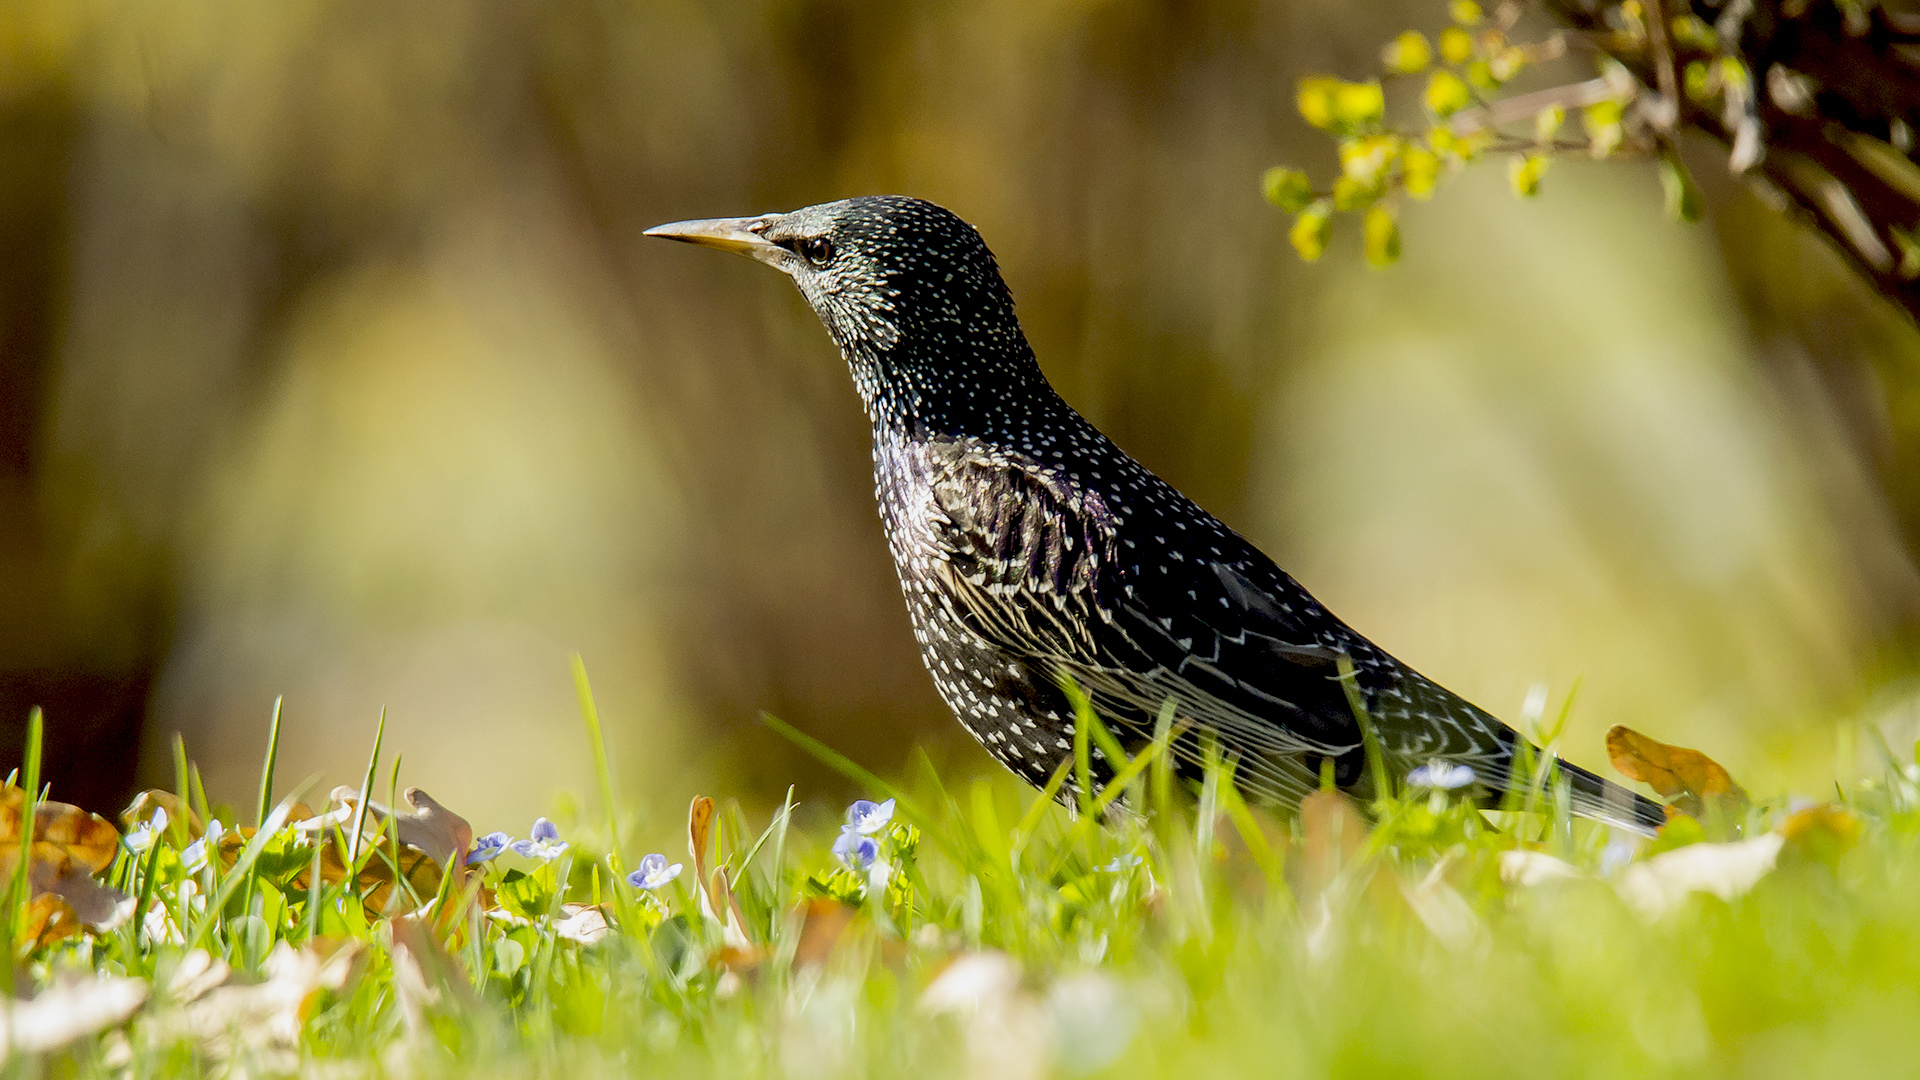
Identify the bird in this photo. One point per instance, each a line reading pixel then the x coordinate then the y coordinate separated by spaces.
pixel 1040 562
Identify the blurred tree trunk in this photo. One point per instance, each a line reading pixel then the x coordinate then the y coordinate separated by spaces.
pixel 1823 122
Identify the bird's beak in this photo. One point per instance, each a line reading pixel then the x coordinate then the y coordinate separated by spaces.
pixel 740 235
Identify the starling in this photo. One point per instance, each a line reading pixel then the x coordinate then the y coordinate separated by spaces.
pixel 1034 554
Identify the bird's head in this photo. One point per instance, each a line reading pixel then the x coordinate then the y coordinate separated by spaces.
pixel 906 288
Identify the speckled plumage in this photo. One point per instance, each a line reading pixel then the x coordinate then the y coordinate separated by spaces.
pixel 1032 550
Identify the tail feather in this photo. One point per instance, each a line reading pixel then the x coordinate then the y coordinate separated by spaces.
pixel 1604 800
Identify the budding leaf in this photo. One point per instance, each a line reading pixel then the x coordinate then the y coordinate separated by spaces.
pixel 1604 130
pixel 1382 236
pixel 1524 174
pixel 1288 189
pixel 1315 100
pixel 1684 200
pixel 1310 229
pixel 1350 195
pixel 1366 159
pixel 1546 123
pixel 1446 94
pixel 1359 105
pixel 1407 54
pixel 1480 74
pixel 1419 171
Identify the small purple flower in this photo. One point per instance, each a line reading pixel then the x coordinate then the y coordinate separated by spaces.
pixel 487 847
pixel 1441 776
pixel 653 873
pixel 142 836
pixel 855 852
pixel 867 818
pixel 543 843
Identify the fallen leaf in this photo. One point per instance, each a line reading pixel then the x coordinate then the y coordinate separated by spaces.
pixel 64 836
pixel 144 804
pixel 1663 882
pixel 1527 869
pixel 1822 833
pixel 68 1011
pixel 1691 778
pixel 70 845
pixel 822 922
pixel 582 924
pixel 272 1013
pixel 1333 833
pixel 715 894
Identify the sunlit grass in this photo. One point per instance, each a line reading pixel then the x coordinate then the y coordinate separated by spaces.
pixel 990 931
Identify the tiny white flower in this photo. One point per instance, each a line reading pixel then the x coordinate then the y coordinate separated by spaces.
pixel 1441 775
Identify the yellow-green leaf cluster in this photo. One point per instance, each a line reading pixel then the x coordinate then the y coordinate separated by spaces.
pixel 1446 94
pixel 1407 54
pixel 1604 130
pixel 1310 230
pixel 1524 174
pixel 1381 235
pixel 1288 189
pixel 1336 105
pixel 1684 200
pixel 1456 45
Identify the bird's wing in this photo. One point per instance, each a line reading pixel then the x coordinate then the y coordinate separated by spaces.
pixel 1032 559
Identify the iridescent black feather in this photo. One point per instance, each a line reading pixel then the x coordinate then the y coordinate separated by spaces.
pixel 1033 551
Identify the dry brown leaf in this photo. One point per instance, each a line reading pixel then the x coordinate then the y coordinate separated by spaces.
pixel 67 1011
pixel 64 836
pixel 715 893
pixel 144 804
pixel 1823 833
pixel 1664 882
pixel 1689 777
pixel 375 881
pixel 1332 834
pixel 582 924
pixel 822 922
pixel 699 820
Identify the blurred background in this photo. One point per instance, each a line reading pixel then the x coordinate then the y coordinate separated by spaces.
pixel 333 366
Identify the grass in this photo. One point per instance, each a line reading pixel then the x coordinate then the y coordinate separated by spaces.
pixel 999 935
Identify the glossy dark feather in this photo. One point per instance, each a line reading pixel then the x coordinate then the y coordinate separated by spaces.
pixel 1032 551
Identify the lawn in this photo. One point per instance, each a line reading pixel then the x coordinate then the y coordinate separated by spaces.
pixel 1153 929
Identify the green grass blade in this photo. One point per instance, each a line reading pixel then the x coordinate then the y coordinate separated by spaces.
pixel 266 768
pixel 602 773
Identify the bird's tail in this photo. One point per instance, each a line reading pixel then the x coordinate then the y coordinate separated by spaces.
pixel 1604 800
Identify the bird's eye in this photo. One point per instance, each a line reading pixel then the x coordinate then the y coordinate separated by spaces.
pixel 817 249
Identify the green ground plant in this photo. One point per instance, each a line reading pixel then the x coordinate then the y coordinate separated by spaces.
pixel 1146 929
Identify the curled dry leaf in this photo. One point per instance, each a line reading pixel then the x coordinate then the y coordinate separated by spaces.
pixel 1333 833
pixel 1691 778
pixel 1822 833
pixel 271 1013
pixel 425 825
pixel 1664 882
pixel 141 810
pixel 822 922
pixel 582 924
pixel 64 836
pixel 70 845
pixel 716 894
pixel 66 1012
pixel 1526 869
pixel 1008 1035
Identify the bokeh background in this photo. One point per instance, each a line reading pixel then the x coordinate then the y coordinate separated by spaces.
pixel 333 366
